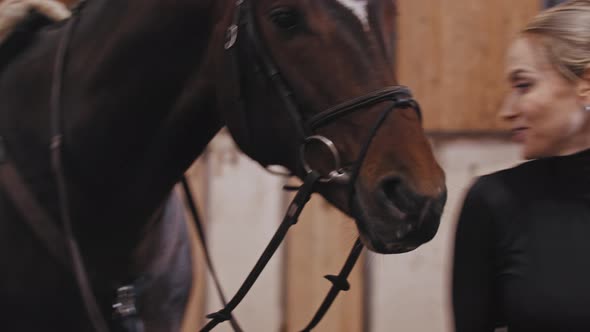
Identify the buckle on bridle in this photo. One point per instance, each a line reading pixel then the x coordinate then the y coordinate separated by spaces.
pixel 338 174
pixel 125 305
pixel 231 35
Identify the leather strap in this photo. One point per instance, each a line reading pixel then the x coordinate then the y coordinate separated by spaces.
pixel 339 283
pixel 289 220
pixel 399 95
pixel 192 205
pixel 56 149
pixel 271 70
pixel 35 216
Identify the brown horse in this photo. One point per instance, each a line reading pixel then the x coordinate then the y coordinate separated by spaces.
pixel 147 84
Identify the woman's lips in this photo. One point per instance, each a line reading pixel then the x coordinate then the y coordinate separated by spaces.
pixel 519 134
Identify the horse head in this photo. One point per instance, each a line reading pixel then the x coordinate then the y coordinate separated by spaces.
pixel 311 85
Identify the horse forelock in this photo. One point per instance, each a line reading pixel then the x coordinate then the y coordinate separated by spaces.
pixel 360 8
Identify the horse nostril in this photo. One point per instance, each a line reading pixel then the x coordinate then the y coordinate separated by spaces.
pixel 391 186
pixel 396 192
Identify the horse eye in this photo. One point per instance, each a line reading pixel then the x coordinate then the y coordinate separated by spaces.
pixel 286 18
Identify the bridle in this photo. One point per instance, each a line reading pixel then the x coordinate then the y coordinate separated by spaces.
pixel 62 243
pixel 397 96
pixel 305 129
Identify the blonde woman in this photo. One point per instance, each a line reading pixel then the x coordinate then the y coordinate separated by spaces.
pixel 522 247
pixel 14 11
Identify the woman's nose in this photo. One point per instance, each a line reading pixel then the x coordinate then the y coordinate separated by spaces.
pixel 508 111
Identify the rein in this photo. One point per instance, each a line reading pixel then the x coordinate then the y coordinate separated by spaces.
pixel 56 150
pixel 339 282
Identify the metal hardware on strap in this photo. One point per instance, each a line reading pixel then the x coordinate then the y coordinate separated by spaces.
pixel 231 36
pixel 337 174
pixel 125 305
pixel 125 309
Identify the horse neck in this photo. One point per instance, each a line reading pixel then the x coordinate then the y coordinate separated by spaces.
pixel 139 105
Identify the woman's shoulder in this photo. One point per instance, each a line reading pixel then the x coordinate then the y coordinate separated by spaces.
pixel 510 185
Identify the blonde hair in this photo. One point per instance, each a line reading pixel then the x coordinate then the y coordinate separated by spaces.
pixel 564 32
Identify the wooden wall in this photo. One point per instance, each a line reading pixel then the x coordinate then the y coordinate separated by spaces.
pixel 451 54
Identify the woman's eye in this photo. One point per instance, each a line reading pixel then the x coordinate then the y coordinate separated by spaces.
pixel 286 18
pixel 523 86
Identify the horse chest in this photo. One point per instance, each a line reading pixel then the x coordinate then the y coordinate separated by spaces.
pixel 31 283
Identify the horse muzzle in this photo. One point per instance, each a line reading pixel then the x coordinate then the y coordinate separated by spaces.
pixel 395 219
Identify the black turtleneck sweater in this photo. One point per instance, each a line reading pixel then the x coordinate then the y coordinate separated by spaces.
pixel 522 249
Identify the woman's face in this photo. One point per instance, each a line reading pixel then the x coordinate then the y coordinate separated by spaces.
pixel 545 110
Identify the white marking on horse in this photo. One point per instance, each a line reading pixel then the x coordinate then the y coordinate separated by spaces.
pixel 358 8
